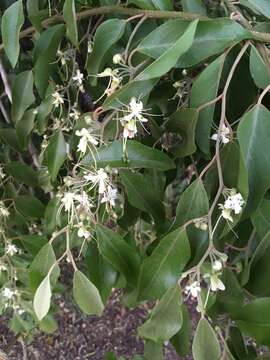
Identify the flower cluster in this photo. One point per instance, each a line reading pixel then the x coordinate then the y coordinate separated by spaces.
pixel 233 204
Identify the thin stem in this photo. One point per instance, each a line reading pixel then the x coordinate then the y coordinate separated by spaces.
pixel 142 20
pixel 265 91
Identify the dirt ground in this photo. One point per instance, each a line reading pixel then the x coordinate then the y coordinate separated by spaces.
pixel 81 338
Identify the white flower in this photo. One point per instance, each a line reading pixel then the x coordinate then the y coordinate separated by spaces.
pixel 224 135
pixel 89 47
pixel 8 293
pixel 83 232
pixel 217 265
pixel 83 201
pixel 3 210
pixel 67 200
pixel 109 196
pixel 2 173
pixel 135 111
pixel 108 72
pixel 215 283
pixel 78 78
pixel 234 202
pixel 74 114
pixel 100 179
pixel 11 249
pixel 57 99
pixel 201 224
pixel 86 138
pixel 3 268
pixel 115 80
pixel 117 59
pixel 194 289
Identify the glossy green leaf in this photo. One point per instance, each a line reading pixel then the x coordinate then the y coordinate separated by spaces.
pixel 169 58
pixel 118 253
pixel 56 154
pixel 35 14
pixel 183 123
pixel 12 22
pixel 165 319
pixel 22 95
pixel 205 344
pixel 261 6
pixel 195 6
pixel 86 295
pixel 163 267
pixel 24 128
pixel 139 156
pixel 41 265
pixel 181 340
pixel 22 173
pixel 210 78
pixel 44 56
pixel 69 13
pixel 193 204
pixel 141 195
pixel 107 34
pixel 254 138
pixel 258 69
pixel 42 298
pixel 211 38
pixel 29 206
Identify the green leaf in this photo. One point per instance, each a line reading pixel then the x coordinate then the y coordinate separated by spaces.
pixel 24 128
pixel 261 6
pixel 258 69
pixel 29 206
pixel 107 34
pixel 12 22
pixel 163 267
pixel 195 6
pixel 44 56
pixel 261 218
pixel 22 95
pixel 254 138
pixel 193 203
pixel 9 137
pixel 183 123
pixel 86 295
pixel 42 298
pixel 118 253
pixel 169 58
pixel 163 4
pixel 56 154
pixel 210 78
pixel 139 156
pixel 181 340
pixel 253 319
pixel 51 216
pixel 35 14
pixel 33 243
pixel 211 38
pixel 69 13
pixel 141 195
pixel 143 4
pixel 41 265
pixel 152 351
pixel 22 173
pixel 165 319
pixel 205 344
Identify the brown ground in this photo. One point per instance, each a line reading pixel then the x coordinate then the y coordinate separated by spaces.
pixel 81 338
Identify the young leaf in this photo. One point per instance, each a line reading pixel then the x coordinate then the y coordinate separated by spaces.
pixel 22 95
pixel 141 195
pixel 205 344
pixel 163 267
pixel 86 295
pixel 169 58
pixel 107 34
pixel 42 298
pixel 258 69
pixel 139 156
pixel 12 22
pixel 118 253
pixel 69 13
pixel 253 136
pixel 56 154
pixel 165 319
pixel 210 78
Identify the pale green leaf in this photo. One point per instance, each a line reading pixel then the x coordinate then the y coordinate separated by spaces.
pixel 42 298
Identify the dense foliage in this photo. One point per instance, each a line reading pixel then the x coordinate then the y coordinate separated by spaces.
pixel 134 142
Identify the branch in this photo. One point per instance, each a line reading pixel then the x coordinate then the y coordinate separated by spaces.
pixel 114 9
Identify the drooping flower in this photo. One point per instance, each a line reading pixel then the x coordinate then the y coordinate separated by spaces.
pixel 3 210
pixel 57 99
pixel 99 178
pixel 68 200
pixel 215 283
pixel 83 232
pixel 217 265
pixel 133 114
pixel 224 135
pixel 11 249
pixel 85 139
pixel 115 80
pixel 130 129
pixel 109 196
pixel 117 58
pixel 78 78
